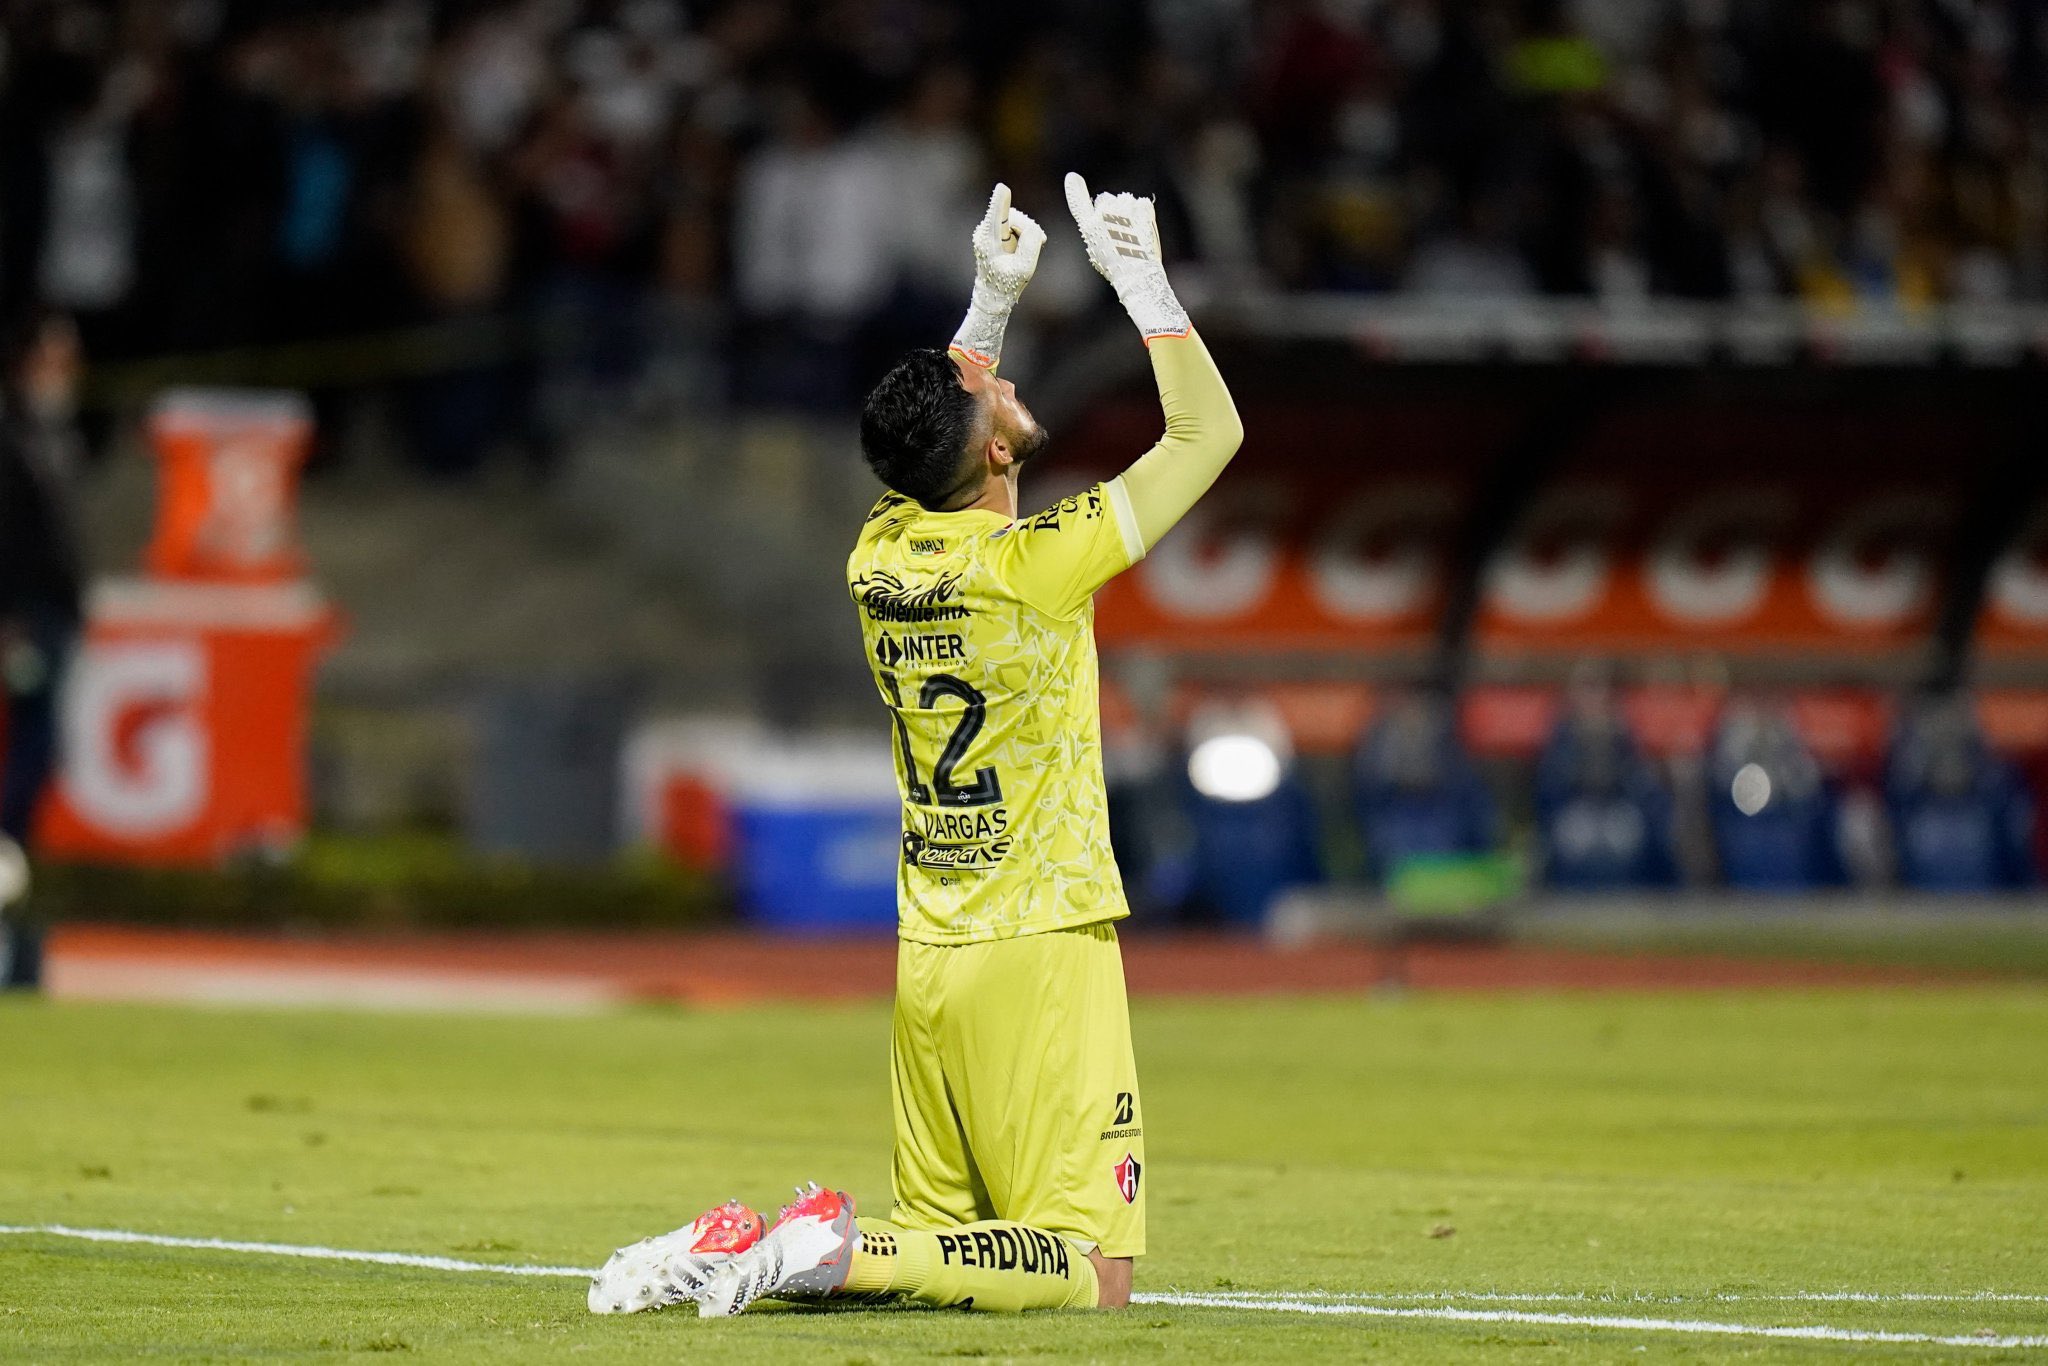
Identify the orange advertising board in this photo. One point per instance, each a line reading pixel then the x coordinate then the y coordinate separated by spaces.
pixel 2014 618
pixel 1325 532
pixel 1271 564
pixel 1755 532
pixel 185 723
pixel 1756 565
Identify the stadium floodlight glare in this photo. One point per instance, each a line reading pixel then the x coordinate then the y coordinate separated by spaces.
pixel 1234 768
pixel 1751 789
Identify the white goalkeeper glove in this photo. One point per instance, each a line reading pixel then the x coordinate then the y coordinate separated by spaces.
pixel 1006 246
pixel 1123 246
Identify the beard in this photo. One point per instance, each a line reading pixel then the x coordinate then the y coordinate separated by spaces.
pixel 1026 444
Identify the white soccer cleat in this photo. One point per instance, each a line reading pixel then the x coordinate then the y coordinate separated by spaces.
pixel 657 1272
pixel 807 1254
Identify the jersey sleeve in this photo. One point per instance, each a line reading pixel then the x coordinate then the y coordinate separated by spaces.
pixel 1202 432
pixel 1056 559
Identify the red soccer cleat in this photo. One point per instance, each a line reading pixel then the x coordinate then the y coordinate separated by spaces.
pixel 656 1272
pixel 806 1255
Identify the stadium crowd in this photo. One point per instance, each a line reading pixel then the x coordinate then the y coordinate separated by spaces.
pixel 195 174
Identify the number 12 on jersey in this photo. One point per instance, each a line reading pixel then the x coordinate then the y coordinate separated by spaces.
pixel 985 790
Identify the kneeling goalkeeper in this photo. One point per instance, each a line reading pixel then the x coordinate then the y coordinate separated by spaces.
pixel 1019 1176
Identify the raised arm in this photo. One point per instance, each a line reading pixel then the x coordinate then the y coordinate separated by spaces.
pixel 1006 246
pixel 1202 433
pixel 1202 426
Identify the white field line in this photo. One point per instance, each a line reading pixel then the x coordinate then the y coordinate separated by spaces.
pixel 1814 1332
pixel 1624 1297
pixel 325 987
pixel 324 1254
pixel 1312 1302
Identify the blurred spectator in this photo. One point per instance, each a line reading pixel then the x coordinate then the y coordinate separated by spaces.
pixel 205 175
pixel 1961 816
pixel 1775 819
pixel 1603 818
pixel 1474 259
pixel 456 241
pixel 1416 789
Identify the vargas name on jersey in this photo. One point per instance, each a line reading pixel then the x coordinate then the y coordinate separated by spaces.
pixel 980 636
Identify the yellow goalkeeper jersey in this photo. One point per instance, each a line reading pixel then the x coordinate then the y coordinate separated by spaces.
pixel 980 634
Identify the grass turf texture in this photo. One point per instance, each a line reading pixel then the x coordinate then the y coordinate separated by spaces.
pixel 1682 1148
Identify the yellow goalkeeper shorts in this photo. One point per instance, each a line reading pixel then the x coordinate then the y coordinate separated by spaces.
pixel 1015 1090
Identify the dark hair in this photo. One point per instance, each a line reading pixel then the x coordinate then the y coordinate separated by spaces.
pixel 917 426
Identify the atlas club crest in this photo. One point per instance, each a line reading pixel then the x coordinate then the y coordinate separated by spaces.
pixel 1127 1173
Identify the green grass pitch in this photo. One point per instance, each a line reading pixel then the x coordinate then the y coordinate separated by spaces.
pixel 1696 1157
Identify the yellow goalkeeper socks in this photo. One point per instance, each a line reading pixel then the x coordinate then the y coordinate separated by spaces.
pixel 996 1266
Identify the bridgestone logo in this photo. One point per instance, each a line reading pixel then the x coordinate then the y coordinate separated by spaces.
pixel 1006 1249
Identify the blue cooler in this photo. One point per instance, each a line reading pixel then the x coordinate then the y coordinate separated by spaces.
pixel 1247 853
pixel 817 835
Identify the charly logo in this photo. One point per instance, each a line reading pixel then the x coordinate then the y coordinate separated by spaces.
pixel 887 598
pixel 1127 1173
pixel 927 545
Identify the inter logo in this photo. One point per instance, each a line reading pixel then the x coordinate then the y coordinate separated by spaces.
pixel 1127 1173
pixel 889 652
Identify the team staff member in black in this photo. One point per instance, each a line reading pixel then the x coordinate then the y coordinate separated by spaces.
pixel 41 579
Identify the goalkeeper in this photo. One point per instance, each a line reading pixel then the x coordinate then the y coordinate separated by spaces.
pixel 1019 1172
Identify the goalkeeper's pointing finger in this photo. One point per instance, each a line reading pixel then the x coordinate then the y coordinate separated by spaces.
pixel 1006 246
pixel 997 219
